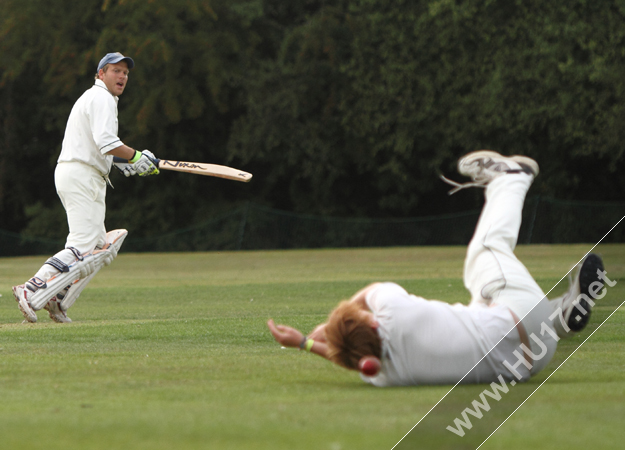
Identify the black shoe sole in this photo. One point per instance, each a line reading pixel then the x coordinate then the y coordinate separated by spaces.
pixel 587 275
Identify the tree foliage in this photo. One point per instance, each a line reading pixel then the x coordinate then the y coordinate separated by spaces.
pixel 347 108
pixel 408 87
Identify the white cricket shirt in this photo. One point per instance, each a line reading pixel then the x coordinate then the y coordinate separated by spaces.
pixel 433 342
pixel 91 129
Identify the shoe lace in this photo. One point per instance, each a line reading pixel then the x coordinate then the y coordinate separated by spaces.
pixel 461 186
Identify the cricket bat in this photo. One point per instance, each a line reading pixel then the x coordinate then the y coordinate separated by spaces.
pixel 211 170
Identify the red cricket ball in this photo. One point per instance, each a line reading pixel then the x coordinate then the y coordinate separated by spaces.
pixel 369 365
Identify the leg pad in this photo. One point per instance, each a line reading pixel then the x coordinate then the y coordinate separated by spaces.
pixel 82 269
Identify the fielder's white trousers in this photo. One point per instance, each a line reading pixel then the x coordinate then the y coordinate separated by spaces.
pixel 82 190
pixel 494 275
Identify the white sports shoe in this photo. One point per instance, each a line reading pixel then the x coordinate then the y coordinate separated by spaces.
pixel 577 302
pixel 483 166
pixel 21 294
pixel 56 313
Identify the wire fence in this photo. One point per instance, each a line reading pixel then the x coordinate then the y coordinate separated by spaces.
pixel 256 227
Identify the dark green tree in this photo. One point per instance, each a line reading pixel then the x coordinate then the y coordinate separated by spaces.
pixel 339 107
pixel 400 91
pixel 181 99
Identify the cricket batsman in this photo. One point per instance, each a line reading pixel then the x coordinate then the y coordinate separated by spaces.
pixel 81 177
pixel 509 329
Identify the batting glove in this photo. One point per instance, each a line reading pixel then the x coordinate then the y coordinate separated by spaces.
pixel 143 164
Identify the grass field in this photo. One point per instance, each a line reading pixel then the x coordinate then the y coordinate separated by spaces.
pixel 171 351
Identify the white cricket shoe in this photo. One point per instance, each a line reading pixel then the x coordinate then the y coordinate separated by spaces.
pixel 577 302
pixel 21 294
pixel 55 312
pixel 483 166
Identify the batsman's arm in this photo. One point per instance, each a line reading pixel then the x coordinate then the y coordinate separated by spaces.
pixel 123 152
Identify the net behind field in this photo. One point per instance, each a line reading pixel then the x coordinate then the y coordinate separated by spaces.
pixel 256 227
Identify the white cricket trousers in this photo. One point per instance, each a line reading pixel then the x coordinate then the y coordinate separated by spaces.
pixel 494 275
pixel 82 190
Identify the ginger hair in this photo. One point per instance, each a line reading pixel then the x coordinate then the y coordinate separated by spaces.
pixel 349 336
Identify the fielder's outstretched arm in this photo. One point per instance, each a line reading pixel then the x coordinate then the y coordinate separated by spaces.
pixel 290 337
pixel 319 333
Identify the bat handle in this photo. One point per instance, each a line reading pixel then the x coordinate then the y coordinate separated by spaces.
pixel 117 159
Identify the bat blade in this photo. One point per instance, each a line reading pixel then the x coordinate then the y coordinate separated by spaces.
pixel 211 170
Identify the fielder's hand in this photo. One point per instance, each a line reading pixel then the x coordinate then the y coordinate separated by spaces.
pixel 287 336
pixel 144 164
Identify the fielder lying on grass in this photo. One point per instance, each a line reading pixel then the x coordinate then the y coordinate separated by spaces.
pixel 509 327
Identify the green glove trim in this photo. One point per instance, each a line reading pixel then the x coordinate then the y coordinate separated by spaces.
pixel 135 158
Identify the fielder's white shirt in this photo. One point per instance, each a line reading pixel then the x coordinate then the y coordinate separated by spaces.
pixel 92 129
pixel 433 342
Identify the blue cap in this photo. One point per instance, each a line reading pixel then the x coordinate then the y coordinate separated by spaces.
pixel 114 58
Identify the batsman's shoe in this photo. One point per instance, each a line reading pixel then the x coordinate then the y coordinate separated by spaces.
pixel 55 312
pixel 21 294
pixel 578 301
pixel 483 166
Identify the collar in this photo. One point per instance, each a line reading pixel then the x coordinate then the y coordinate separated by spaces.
pixel 101 84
